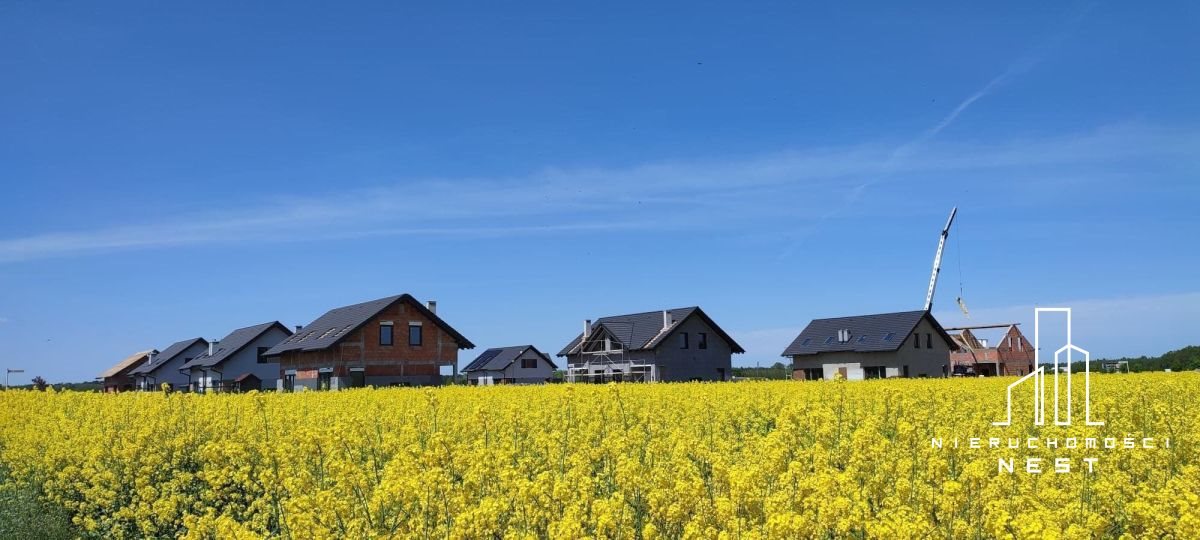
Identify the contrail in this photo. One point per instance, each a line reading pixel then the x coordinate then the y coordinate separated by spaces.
pixel 897 155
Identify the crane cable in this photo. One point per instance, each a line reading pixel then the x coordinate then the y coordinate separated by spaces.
pixel 958 253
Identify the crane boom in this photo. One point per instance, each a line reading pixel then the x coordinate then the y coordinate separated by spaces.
pixel 937 260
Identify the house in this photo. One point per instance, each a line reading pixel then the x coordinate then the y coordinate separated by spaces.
pixel 389 341
pixel 905 344
pixel 247 382
pixel 520 364
pixel 119 378
pixel 681 344
pixel 1011 354
pixel 163 367
pixel 240 352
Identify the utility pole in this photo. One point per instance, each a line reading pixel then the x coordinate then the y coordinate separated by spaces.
pixel 9 371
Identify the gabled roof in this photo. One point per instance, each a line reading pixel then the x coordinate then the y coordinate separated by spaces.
pixel 640 331
pixel 166 355
pixel 868 333
pixel 499 358
pixel 234 342
pixel 337 323
pixel 126 363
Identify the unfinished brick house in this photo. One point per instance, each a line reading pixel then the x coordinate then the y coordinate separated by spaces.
pixel 120 378
pixel 1011 354
pixel 385 342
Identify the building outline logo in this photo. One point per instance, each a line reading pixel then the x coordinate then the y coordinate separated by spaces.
pixel 1038 374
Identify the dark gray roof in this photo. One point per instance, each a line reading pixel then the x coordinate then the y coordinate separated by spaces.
pixel 496 359
pixel 868 333
pixel 336 323
pixel 166 355
pixel 645 330
pixel 234 342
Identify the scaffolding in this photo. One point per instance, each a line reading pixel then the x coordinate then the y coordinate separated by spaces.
pixel 602 362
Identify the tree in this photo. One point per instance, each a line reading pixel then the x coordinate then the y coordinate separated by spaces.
pixel 39 383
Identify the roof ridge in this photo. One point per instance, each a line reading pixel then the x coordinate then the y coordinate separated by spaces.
pixel 646 312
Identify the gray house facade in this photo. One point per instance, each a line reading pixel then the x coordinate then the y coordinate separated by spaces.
pixel 903 344
pixel 237 354
pixel 520 364
pixel 164 367
pixel 682 344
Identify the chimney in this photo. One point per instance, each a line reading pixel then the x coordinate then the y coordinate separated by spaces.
pixel 432 305
pixel 212 346
pixel 150 357
pixel 299 327
pixel 587 329
pixel 667 319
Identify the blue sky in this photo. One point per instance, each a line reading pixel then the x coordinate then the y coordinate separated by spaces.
pixel 177 171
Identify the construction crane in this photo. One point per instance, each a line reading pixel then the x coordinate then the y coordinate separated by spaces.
pixel 937 262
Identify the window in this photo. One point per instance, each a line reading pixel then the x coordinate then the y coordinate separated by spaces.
pixel 529 363
pixel 874 372
pixel 806 341
pixel 358 378
pixel 928 341
pixel 905 372
pixel 814 374
pixel 829 340
pixel 1020 345
pixel 261 352
pixel 862 338
pixel 916 340
pixel 415 338
pixel 702 340
pixel 683 340
pixel 324 380
pixel 889 336
pixel 289 382
pixel 385 334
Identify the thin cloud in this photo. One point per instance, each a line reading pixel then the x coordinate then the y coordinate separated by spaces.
pixel 655 196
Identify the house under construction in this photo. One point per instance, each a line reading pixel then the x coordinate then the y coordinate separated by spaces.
pixel 670 345
pixel 1011 354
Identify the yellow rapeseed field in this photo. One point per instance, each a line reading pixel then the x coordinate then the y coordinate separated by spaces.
pixel 717 460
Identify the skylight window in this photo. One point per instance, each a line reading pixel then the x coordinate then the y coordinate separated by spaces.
pixel 889 336
pixel 806 341
pixel 862 338
pixel 829 340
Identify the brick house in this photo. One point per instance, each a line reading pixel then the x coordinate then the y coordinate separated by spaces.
pixel 1011 354
pixel 903 344
pixel 389 341
pixel 119 378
